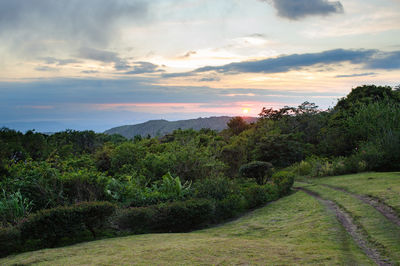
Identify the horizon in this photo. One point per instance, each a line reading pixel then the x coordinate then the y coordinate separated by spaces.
pixel 95 65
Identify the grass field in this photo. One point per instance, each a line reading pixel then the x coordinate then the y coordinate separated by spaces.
pixel 298 229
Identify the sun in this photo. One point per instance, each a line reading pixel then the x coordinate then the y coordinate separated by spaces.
pixel 245 111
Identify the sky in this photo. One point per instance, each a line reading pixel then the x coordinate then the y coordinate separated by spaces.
pixel 97 64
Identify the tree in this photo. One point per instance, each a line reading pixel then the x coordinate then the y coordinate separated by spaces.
pixel 237 125
pixel 261 171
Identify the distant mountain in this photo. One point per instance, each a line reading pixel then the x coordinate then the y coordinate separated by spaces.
pixel 162 127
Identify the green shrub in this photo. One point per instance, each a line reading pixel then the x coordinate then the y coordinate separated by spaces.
pixel 182 216
pixel 49 226
pixel 229 207
pixel 261 171
pixel 13 207
pixel 9 241
pixel 215 188
pixel 257 195
pixel 284 181
pixel 84 185
pixel 137 220
pixel 177 216
pixel 304 168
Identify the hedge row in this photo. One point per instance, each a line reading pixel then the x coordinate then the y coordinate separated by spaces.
pixel 167 217
pixel 47 228
pixel 217 200
pixel 188 215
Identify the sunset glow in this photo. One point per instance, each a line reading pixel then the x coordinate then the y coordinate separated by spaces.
pixel 130 61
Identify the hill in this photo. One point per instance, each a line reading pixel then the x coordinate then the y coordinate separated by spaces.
pixel 341 220
pixel 162 127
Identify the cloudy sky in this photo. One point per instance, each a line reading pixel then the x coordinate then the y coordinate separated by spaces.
pixel 95 64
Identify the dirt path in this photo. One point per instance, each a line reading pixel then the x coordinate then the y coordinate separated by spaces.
pixel 381 207
pixel 347 221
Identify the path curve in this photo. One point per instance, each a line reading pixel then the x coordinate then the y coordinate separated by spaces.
pixel 348 223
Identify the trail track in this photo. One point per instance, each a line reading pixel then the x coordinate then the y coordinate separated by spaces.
pixel 354 230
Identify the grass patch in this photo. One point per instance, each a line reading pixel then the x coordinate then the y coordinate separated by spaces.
pixel 294 230
pixel 384 186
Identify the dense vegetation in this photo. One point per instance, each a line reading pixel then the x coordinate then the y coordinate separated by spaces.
pixel 75 185
pixel 295 230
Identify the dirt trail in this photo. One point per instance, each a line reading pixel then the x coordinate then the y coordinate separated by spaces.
pixel 381 207
pixel 347 221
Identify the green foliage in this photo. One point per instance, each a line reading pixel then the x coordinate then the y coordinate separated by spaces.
pixel 49 226
pixel 261 171
pixel 13 208
pixel 177 216
pixel 84 185
pixel 172 187
pixel 215 188
pixel 237 125
pixel 10 241
pixel 257 195
pixel 126 158
pixel 37 181
pixel 284 181
pixel 229 207
pixel 182 216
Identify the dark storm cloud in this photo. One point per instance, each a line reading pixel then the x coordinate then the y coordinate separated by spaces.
pixel 297 9
pixel 89 22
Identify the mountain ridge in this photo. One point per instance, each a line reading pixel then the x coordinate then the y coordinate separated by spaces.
pixel 161 127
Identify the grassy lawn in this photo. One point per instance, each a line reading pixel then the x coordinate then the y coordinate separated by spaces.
pixel 294 230
pixel 385 186
pixel 380 231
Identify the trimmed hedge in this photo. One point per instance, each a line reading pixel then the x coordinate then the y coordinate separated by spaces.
pixel 179 216
pixel 259 195
pixel 49 226
pixel 284 181
pixel 9 241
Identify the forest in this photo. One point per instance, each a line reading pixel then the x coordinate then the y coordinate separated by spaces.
pixel 75 186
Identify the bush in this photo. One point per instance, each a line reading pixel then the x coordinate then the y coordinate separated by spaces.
pixel 49 226
pixel 13 208
pixel 182 216
pixel 137 220
pixel 261 171
pixel 177 216
pixel 284 181
pixel 215 188
pixel 257 195
pixel 304 168
pixel 9 241
pixel 84 185
pixel 229 207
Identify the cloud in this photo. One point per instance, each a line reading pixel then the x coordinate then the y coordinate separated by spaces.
pixel 103 56
pixel 356 75
pixel 286 63
pixel 388 61
pixel 59 62
pixel 72 22
pixel 188 54
pixel 144 68
pixel 368 59
pixel 98 55
pixel 46 69
pixel 298 9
